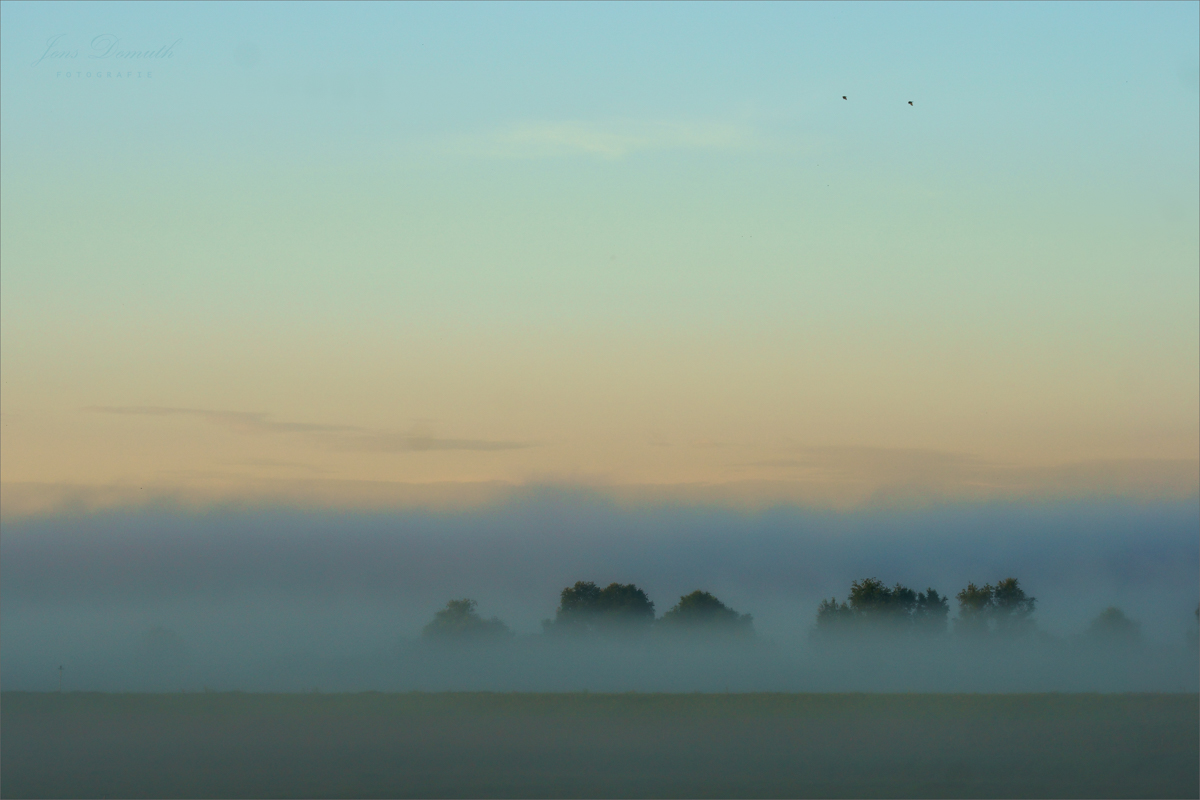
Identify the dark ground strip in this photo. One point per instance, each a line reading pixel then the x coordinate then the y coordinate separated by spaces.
pixel 599 745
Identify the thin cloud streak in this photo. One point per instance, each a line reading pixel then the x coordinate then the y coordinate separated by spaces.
pixel 410 442
pixel 275 464
pixel 346 437
pixel 247 421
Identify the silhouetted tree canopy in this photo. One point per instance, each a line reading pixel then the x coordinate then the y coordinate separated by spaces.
pixel 1003 608
pixel 459 621
pixel 931 612
pixel 874 606
pixel 1113 626
pixel 833 617
pixel 1013 608
pixel 871 601
pixel 701 611
pixel 974 606
pixel 587 607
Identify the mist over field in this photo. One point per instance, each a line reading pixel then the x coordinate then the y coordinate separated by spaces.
pixel 170 600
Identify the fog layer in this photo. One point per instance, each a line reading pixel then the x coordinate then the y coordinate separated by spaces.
pixel 283 600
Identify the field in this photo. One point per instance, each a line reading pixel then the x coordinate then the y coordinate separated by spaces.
pixel 599 745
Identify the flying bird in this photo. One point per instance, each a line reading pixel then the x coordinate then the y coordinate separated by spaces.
pixel 910 102
pixel 843 97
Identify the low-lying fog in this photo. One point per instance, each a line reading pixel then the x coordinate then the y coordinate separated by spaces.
pixel 169 600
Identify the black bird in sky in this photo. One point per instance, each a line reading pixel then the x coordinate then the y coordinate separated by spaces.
pixel 910 102
pixel 843 97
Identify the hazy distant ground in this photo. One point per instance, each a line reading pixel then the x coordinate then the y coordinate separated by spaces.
pixel 288 600
pixel 599 745
pixel 946 663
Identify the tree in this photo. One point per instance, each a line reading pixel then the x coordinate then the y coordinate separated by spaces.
pixel 1111 625
pixel 701 611
pixel 1004 608
pixel 874 606
pixel 930 612
pixel 1012 609
pixel 869 596
pixel 579 601
pixel 624 602
pixel 586 607
pixel 459 621
pixel 833 617
pixel 873 603
pixel 974 608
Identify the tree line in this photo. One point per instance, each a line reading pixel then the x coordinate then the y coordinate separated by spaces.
pixel 585 608
pixel 1004 608
pixel 1000 609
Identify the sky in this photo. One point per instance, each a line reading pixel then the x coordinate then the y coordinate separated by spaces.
pixel 367 256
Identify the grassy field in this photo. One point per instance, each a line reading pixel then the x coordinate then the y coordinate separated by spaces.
pixel 599 745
